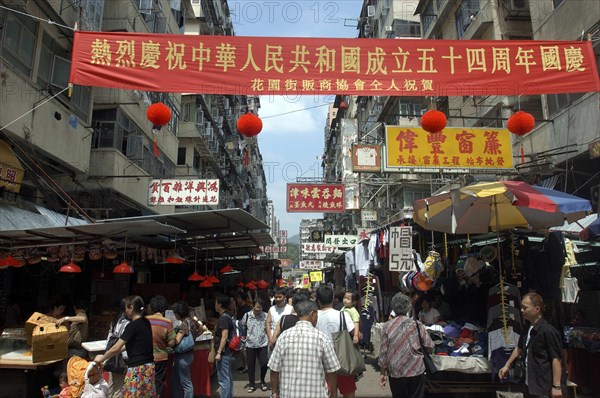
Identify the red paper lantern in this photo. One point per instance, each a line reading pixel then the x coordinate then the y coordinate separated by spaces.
pixel 433 121
pixel 158 114
pixel 520 123
pixel 343 105
pixel 249 125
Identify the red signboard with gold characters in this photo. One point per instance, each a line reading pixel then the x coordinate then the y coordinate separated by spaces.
pixel 303 66
pixel 315 198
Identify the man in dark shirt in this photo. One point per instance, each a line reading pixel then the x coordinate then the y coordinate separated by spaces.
pixel 545 374
pixel 223 355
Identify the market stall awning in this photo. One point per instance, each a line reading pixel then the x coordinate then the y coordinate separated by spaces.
pixel 219 233
pixel 223 233
pixel 134 230
pixel 204 222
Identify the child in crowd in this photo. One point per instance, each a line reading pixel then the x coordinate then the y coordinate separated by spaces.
pixel 95 385
pixel 63 383
pixel 350 300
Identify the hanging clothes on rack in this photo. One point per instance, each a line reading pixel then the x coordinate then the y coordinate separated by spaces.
pixel 504 324
pixel 361 258
pixel 350 280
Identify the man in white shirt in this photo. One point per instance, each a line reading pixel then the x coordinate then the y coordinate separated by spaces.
pixel 328 322
pixel 279 308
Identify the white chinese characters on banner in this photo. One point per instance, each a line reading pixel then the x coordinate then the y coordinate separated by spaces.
pixel 401 255
pixel 183 192
pixel 311 264
pixel 316 247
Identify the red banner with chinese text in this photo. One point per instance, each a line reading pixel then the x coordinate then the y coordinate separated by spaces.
pixel 303 66
pixel 315 198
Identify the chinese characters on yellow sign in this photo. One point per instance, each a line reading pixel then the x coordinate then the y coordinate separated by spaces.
pixel 454 147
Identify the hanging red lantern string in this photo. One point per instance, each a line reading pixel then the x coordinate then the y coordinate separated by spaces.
pixel 521 123
pixel 158 114
pixel 249 125
pixel 433 121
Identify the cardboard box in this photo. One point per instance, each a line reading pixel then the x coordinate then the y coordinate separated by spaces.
pixel 34 320
pixel 49 343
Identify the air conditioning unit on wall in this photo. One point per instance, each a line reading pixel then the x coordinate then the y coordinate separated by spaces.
pixel 518 5
pixel 370 11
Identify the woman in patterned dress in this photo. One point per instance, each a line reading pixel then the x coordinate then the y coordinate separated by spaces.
pixel 137 338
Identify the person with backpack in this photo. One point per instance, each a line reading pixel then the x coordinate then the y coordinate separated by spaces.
pixel 223 354
pixel 254 324
pixel 184 351
pixel 137 338
pixel 117 367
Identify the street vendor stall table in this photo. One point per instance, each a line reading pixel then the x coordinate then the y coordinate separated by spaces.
pixel 20 377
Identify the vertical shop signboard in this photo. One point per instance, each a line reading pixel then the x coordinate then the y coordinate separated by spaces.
pixel 401 256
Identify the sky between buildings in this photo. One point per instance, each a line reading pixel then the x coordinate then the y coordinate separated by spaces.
pixel 292 144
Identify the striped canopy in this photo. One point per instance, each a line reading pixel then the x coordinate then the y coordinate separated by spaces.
pixel 497 206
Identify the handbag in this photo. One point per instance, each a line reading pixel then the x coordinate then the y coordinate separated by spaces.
pixel 235 344
pixel 430 367
pixel 117 363
pixel 351 360
pixel 186 344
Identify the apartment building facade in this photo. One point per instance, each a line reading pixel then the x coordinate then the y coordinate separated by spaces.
pixel 96 148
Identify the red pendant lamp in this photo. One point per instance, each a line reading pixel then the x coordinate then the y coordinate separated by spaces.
pixel 226 269
pixel 262 284
pixel 205 283
pixel 195 277
pixel 70 268
pixel 174 258
pixel 251 285
pixel 9 261
pixel 212 279
pixel 240 284
pixel 123 268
